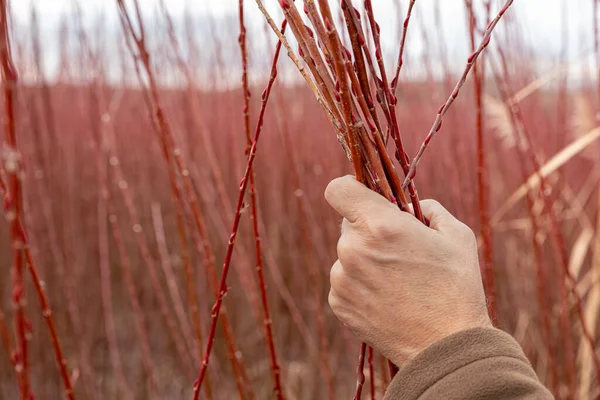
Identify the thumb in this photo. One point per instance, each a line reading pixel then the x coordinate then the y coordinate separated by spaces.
pixel 352 200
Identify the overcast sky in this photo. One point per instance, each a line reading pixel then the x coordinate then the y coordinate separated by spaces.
pixel 541 21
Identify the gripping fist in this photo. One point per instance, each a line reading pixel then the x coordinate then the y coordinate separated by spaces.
pixel 399 285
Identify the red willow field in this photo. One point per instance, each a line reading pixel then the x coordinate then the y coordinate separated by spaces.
pixel 166 234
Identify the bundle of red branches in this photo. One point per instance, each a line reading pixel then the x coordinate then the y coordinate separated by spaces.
pixel 355 91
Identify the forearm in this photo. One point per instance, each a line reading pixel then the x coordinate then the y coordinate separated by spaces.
pixel 475 364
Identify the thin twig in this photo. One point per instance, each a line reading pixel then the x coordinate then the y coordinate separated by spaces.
pixel 238 213
pixel 437 124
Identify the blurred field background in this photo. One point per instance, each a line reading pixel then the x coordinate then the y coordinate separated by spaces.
pixel 118 255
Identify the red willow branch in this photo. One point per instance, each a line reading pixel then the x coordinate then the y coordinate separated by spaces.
pixel 384 97
pixel 311 84
pixel 202 245
pixel 226 206
pixel 371 372
pixel 360 381
pixel 391 101
pixel 5 338
pixel 191 105
pixel 329 39
pixel 310 53
pixel 275 369
pixel 371 163
pixel 44 302
pixel 482 174
pixel 383 367
pixel 238 213
pixel 234 356
pixel 344 90
pixel 351 128
pixel 47 314
pixel 360 86
pixel 14 204
pixel 437 124
pixel 400 61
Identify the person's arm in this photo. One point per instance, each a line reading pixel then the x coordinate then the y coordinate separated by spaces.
pixel 480 363
pixel 414 294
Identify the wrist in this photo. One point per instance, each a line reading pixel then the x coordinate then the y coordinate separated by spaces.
pixel 404 353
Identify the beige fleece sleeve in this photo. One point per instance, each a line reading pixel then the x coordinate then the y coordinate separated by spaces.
pixel 475 364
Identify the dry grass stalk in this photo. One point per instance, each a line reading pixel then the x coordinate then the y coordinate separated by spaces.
pixel 553 164
pixel 592 311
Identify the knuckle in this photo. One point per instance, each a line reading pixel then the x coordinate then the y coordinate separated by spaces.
pixel 336 276
pixel 334 301
pixel 465 231
pixel 431 202
pixel 345 247
pixel 378 228
pixel 338 307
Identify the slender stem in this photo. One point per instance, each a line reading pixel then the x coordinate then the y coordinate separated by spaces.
pixel 47 314
pixel 389 101
pixel 482 175
pixel 299 66
pixel 238 213
pixel 371 372
pixel 437 124
pixel 275 369
pixel 44 304
pixel 14 206
pixel 191 105
pixel 383 367
pixel 400 61
pixel 360 372
pixel 176 166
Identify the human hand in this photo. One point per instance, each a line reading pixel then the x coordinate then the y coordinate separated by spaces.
pixel 399 285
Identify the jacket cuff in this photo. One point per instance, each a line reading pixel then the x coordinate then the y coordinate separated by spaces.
pixel 449 355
